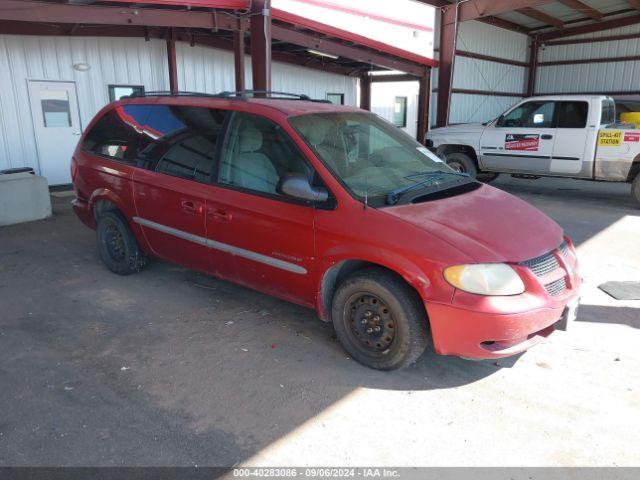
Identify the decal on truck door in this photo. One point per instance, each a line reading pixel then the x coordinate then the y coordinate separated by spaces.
pixel 517 141
pixel 632 137
pixel 609 138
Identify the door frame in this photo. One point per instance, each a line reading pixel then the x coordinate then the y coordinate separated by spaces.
pixel 35 135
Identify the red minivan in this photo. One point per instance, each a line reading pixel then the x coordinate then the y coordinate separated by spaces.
pixel 330 207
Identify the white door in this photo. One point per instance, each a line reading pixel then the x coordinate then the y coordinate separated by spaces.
pixel 573 134
pixel 56 122
pixel 522 140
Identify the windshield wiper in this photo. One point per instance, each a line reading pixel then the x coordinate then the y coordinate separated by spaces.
pixel 394 196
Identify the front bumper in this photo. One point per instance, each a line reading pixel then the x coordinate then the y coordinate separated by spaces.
pixel 473 326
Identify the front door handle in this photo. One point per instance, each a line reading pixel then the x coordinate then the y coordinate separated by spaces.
pixel 546 137
pixel 191 207
pixel 219 214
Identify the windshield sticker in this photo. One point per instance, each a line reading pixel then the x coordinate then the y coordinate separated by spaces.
pixel 632 136
pixel 517 141
pixel 609 138
pixel 425 151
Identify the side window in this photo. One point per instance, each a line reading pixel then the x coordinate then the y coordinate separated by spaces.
pixel 535 114
pixel 258 154
pixel 120 133
pixel 609 112
pixel 186 140
pixel 572 114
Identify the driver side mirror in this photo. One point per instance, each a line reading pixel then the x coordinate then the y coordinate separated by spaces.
pixel 297 185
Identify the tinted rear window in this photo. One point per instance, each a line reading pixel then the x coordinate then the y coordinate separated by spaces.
pixel 175 140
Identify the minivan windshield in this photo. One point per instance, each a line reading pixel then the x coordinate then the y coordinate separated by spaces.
pixel 373 158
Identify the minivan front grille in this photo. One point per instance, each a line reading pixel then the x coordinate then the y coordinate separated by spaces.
pixel 542 265
pixel 557 287
pixel 547 263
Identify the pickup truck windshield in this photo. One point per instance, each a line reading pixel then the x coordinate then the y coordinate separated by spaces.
pixel 373 158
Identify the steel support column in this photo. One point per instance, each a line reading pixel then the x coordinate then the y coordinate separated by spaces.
pixel 365 92
pixel 424 96
pixel 238 56
pixel 261 44
pixel 533 66
pixel 172 62
pixel 448 36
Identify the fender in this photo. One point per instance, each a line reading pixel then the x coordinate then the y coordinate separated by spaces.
pixel 104 194
pixel 332 263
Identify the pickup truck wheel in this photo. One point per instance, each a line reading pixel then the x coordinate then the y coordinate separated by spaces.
pixel 635 189
pixel 461 162
pixel 487 177
pixel 117 245
pixel 379 320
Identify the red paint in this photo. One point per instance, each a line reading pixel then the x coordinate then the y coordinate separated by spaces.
pixel 416 241
pixel 632 136
pixel 527 143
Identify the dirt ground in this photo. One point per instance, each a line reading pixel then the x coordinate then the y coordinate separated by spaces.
pixel 171 367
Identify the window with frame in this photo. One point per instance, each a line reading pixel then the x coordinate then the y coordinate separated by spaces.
pixel 336 98
pixel 400 112
pixel 572 114
pixel 258 154
pixel 120 134
pixel 609 110
pixel 116 92
pixel 535 114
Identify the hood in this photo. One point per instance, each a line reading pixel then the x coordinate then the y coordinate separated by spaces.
pixel 487 224
pixel 457 128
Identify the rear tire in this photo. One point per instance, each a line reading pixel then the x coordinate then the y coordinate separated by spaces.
pixel 462 163
pixel 118 247
pixel 380 320
pixel 635 189
pixel 487 177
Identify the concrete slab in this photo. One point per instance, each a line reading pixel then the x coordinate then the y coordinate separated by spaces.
pixel 171 367
pixel 23 198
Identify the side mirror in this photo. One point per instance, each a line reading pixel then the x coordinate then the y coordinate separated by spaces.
pixel 297 185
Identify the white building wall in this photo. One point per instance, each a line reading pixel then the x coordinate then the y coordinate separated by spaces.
pixel 474 74
pixel 383 96
pixel 121 61
pixel 591 77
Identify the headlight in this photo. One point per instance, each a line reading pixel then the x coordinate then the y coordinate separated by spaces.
pixel 485 279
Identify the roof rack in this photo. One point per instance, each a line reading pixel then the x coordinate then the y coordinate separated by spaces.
pixel 240 95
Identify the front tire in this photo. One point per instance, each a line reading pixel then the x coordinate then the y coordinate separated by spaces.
pixel 380 320
pixel 462 163
pixel 118 247
pixel 635 189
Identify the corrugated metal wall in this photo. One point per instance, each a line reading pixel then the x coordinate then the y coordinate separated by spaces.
pixel 383 99
pixel 474 74
pixel 591 77
pixel 121 61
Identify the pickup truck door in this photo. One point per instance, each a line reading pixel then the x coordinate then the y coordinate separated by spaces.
pixel 574 138
pixel 521 140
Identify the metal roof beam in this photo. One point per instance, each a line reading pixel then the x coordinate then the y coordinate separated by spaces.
pixel 634 3
pixel 541 17
pixel 19 10
pixel 592 27
pixel 474 9
pixel 585 9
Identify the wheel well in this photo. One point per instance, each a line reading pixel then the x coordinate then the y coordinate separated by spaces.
pixel 102 206
pixel 335 275
pixel 444 150
pixel 635 169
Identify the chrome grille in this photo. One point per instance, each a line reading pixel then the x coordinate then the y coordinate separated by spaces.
pixel 547 263
pixel 542 265
pixel 557 287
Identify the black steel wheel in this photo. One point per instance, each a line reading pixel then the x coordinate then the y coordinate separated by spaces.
pixel 461 163
pixel 117 245
pixel 379 319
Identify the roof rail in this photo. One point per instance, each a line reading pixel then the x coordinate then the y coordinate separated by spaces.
pixel 270 94
pixel 240 95
pixel 167 93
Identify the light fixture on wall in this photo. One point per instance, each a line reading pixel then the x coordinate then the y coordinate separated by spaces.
pixel 322 54
pixel 81 67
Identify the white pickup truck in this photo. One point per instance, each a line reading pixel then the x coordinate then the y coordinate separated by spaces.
pixel 561 136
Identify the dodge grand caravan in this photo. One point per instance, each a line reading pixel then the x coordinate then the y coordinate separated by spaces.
pixel 329 207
